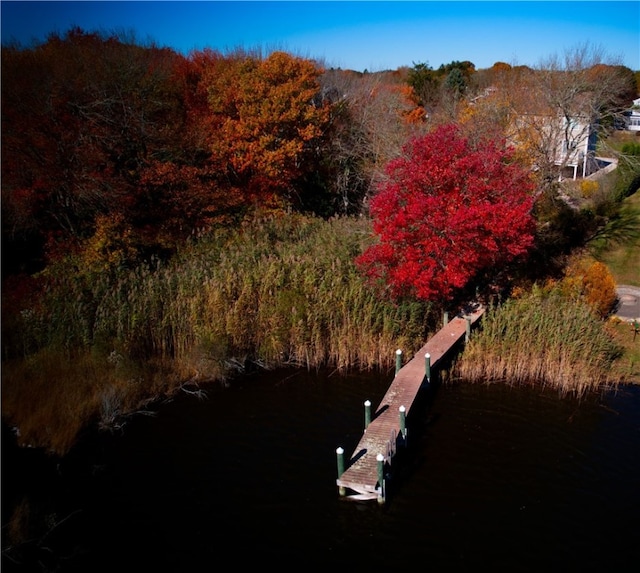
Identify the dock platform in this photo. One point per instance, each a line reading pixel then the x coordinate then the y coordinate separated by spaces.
pixel 361 479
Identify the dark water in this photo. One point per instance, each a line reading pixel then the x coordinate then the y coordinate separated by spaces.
pixel 509 479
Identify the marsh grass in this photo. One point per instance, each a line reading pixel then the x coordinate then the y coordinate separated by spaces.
pixel 542 338
pixel 279 291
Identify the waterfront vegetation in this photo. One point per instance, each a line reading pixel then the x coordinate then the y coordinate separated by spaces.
pixel 217 230
pixel 279 291
pixel 562 334
pixel 543 337
pixel 93 341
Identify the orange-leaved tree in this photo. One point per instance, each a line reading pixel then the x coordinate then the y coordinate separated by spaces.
pixel 450 211
pixel 266 127
pixel 592 282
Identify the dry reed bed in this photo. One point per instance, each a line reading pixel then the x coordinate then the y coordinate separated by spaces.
pixel 280 291
pixel 541 338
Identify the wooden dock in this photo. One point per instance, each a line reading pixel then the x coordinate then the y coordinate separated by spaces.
pixel 361 479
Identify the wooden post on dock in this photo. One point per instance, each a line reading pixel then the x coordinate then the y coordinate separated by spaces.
pixel 427 367
pixel 398 360
pixel 403 423
pixel 380 460
pixel 468 330
pixel 367 414
pixel 446 319
pixel 340 459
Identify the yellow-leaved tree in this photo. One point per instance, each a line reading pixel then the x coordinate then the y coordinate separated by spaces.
pixel 592 282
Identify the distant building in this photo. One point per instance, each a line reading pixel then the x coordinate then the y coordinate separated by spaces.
pixel 633 116
pixel 576 146
pixel 566 142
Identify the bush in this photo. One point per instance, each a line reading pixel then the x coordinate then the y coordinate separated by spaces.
pixel 591 282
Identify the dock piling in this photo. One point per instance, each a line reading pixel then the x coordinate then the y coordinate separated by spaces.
pixel 367 414
pixel 380 460
pixel 398 360
pixel 403 423
pixel 340 459
pixel 427 367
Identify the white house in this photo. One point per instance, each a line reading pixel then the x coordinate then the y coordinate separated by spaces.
pixel 633 117
pixel 568 142
pixel 576 146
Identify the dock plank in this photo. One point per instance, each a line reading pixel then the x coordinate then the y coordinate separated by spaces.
pixel 361 474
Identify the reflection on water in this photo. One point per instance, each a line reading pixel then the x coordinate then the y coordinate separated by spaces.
pixel 516 479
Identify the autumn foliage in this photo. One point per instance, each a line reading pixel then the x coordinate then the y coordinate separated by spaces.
pixel 97 128
pixel 592 282
pixel 449 212
pixel 156 228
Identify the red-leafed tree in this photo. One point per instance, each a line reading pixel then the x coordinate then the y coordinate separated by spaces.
pixel 83 116
pixel 449 212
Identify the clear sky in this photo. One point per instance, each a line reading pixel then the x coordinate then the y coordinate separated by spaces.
pixel 352 35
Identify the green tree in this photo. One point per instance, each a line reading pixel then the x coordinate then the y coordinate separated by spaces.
pixel 426 85
pixel 455 83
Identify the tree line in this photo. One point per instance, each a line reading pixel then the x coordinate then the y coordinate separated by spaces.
pixel 116 150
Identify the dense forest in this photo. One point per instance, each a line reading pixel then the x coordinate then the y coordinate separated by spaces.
pixel 169 219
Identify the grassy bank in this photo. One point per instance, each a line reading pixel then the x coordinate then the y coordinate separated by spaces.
pixel 277 292
pixel 623 260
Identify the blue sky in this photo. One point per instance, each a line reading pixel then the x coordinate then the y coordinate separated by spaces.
pixel 352 35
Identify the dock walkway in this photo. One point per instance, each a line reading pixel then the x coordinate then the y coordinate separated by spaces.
pixel 377 446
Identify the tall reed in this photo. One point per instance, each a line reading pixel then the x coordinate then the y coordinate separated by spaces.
pixel 542 338
pixel 278 291
pixel 281 291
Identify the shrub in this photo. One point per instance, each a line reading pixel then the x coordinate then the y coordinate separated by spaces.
pixel 593 283
pixel 589 188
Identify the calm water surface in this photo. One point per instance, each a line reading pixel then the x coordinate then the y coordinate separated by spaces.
pixel 513 479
